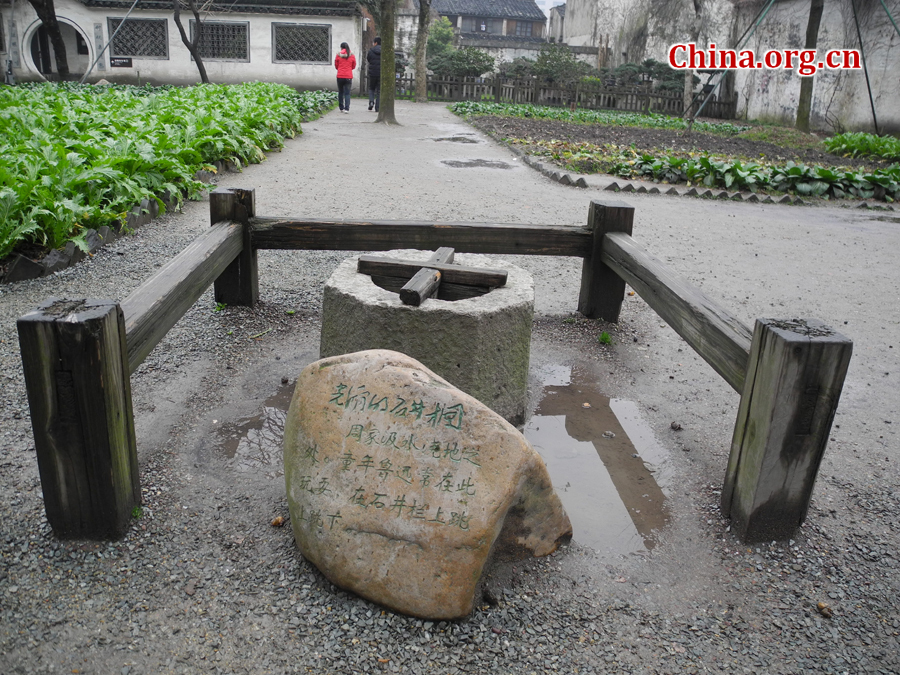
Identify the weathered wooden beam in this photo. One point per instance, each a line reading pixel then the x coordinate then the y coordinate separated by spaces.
pixel 445 291
pixel 343 235
pixel 79 393
pixel 153 308
pixel 238 284
pixel 425 283
pixel 717 336
pixel 454 274
pixel 602 290
pixel 794 380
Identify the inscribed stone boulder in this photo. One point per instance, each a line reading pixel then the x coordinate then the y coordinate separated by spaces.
pixel 400 485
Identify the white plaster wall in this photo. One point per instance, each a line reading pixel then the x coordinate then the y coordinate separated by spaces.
pixel 840 97
pixel 640 29
pixel 179 68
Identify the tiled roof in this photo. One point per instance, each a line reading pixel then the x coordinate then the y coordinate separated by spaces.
pixel 560 9
pixel 498 9
pixel 467 38
pixel 292 7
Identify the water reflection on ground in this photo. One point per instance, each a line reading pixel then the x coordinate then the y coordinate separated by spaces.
pixel 603 460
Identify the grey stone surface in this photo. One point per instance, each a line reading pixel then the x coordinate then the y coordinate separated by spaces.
pixel 22 269
pixel 54 261
pixel 480 345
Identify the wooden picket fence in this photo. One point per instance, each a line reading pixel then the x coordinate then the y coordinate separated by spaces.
pixel 78 355
pixel 591 96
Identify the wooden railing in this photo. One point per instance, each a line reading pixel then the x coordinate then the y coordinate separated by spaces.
pixel 78 355
pixel 592 96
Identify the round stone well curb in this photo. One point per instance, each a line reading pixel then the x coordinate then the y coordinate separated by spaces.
pixel 481 345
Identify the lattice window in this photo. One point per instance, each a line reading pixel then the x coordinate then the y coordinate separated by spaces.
pixel 292 42
pixel 523 28
pixel 140 38
pixel 224 40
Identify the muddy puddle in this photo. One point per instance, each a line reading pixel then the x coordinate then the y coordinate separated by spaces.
pixel 254 443
pixel 476 164
pixel 456 139
pixel 604 460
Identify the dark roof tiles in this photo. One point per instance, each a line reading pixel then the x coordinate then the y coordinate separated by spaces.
pixel 499 9
pixel 291 7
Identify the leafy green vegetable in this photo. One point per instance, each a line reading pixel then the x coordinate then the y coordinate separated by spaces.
pixel 74 157
pixel 864 145
pixel 583 116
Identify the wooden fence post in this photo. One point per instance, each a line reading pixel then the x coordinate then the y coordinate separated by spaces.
pixel 79 390
pixel 794 379
pixel 239 283
pixel 602 290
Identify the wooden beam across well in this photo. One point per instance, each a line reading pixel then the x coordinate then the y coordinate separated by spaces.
pixel 157 305
pixel 717 336
pixel 454 274
pixel 386 235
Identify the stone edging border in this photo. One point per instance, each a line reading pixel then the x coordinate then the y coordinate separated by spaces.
pixel 23 268
pixel 704 193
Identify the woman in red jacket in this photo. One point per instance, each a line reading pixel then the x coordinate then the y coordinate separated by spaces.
pixel 345 63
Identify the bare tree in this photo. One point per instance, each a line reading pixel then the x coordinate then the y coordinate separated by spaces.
pixel 193 46
pixel 46 12
pixel 388 69
pixel 421 47
pixel 804 106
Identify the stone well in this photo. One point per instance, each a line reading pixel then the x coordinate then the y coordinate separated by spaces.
pixel 480 345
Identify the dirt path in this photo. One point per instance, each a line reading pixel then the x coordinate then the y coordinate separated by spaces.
pixel 203 583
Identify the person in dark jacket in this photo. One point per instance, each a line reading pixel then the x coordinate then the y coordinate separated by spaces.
pixel 373 58
pixel 345 63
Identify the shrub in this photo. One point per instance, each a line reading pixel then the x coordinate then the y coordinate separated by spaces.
pixel 465 62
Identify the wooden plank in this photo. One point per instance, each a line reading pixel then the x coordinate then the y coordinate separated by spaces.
pixel 454 274
pixel 602 291
pixel 79 394
pixel 154 307
pixel 343 235
pixel 794 381
pixel 426 281
pixel 239 282
pixel 446 291
pixel 721 339
pixel 422 286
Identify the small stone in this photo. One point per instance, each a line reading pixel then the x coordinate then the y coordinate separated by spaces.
pixel 628 187
pixel 673 192
pixel 612 187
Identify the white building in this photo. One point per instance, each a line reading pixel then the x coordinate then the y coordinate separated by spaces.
pixel 293 42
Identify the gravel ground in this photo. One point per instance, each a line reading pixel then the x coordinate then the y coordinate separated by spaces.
pixel 203 582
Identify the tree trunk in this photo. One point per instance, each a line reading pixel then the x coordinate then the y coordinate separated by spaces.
pixel 804 107
pixel 421 45
pixel 46 12
pixel 192 46
pixel 688 96
pixel 388 69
